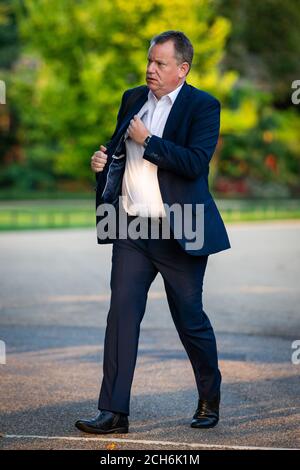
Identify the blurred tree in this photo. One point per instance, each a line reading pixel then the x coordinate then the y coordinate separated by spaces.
pixel 263 48
pixel 79 57
pixel 264 43
pixel 10 150
pixel 9 44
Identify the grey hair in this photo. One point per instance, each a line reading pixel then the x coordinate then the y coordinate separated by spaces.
pixel 184 50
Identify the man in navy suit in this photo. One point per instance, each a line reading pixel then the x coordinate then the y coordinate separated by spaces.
pixel 159 156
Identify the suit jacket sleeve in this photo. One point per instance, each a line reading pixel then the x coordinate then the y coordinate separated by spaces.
pixel 192 160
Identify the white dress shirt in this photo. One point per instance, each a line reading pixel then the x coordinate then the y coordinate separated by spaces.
pixel 140 188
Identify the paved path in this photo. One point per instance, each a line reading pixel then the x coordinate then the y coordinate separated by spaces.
pixel 54 302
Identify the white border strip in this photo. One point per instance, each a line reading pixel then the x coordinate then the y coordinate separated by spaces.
pixel 192 445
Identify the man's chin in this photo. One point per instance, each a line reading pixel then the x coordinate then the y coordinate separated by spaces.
pixel 152 85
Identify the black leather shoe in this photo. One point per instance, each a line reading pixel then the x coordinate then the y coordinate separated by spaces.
pixel 207 413
pixel 105 422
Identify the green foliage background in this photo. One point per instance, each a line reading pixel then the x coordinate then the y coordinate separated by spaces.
pixel 67 63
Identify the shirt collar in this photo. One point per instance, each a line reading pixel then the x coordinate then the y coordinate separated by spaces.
pixel 172 95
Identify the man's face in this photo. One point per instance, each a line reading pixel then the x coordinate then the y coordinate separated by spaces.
pixel 163 73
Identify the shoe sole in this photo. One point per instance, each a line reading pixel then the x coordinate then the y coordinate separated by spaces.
pixel 197 426
pixel 102 431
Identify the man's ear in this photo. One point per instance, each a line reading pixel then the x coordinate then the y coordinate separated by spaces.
pixel 184 69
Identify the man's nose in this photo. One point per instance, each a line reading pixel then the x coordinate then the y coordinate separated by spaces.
pixel 151 68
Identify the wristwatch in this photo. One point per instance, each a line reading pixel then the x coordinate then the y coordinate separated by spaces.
pixel 146 141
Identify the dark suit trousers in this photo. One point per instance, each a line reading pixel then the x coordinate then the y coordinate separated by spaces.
pixel 135 264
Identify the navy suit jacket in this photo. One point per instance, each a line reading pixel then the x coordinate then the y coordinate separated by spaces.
pixel 182 156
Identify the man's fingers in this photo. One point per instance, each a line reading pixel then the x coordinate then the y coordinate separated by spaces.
pixel 97 167
pixel 100 154
pixel 99 159
pixel 98 162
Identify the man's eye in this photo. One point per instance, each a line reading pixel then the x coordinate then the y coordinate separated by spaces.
pixel 160 64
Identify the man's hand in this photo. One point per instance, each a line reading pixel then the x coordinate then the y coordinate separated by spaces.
pixel 99 159
pixel 137 130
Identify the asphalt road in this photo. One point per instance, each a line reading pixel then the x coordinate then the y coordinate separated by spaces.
pixel 54 302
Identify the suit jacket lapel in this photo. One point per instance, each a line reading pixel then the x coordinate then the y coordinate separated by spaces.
pixel 177 110
pixel 174 118
pixel 134 110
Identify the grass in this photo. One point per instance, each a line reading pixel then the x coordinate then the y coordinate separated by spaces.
pixel 259 210
pixel 39 214
pixel 18 195
pixel 78 213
